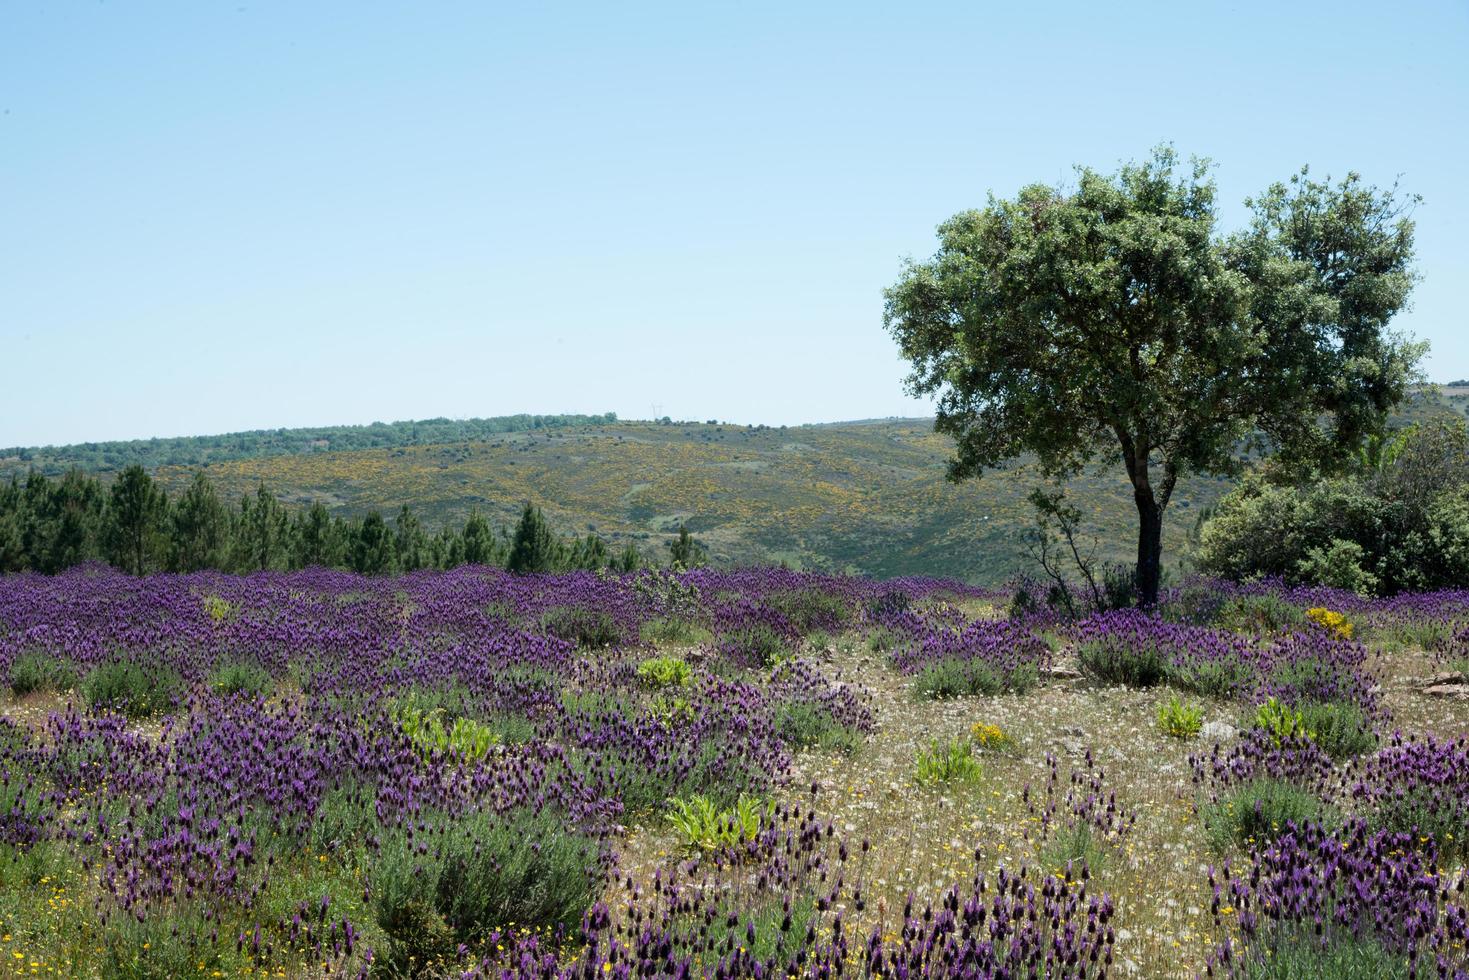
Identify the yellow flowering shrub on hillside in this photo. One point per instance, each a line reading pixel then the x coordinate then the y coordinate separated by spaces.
pixel 1333 622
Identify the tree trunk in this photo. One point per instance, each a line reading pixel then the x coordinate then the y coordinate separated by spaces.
pixel 1149 545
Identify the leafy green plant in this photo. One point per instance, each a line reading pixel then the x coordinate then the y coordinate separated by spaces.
pixel 465 738
pixel 217 609
pixel 1073 844
pixel 1178 719
pixel 954 678
pixel 755 643
pixel 665 671
pixel 705 826
pixel 1340 728
pixel 805 725
pixel 1260 811
pixel 1120 663
pixel 674 631
pixel 36 671
pixel 947 762
pixel 239 678
pixel 484 871
pixel 1282 722
pixel 131 688
pixel 1264 613
pixel 671 709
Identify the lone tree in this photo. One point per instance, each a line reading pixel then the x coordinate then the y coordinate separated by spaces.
pixel 1112 322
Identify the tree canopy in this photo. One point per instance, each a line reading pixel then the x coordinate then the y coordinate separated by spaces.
pixel 1111 321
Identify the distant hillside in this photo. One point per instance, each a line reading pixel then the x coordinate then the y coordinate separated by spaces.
pixel 867 497
pixel 105 457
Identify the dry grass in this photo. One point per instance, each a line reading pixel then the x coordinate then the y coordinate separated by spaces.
pixel 924 840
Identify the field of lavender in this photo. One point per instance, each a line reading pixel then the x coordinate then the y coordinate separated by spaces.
pixel 725 773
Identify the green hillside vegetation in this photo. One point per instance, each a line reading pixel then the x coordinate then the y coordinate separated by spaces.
pixel 104 457
pixel 866 497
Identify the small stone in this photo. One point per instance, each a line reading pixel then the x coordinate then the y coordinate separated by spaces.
pixel 1459 692
pixel 1446 677
pixel 1219 731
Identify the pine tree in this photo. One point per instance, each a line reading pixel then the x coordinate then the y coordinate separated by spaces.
pixel 200 525
pixel 686 552
pixel 263 531
pixel 68 522
pixel 477 545
pixel 316 539
pixel 410 543
pixel 372 546
pixel 534 548
pixel 628 560
pixel 136 509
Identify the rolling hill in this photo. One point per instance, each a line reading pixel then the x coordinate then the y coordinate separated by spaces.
pixel 867 497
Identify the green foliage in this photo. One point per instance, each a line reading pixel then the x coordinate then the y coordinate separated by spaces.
pixel 671 709
pixel 534 548
pixel 1340 728
pixel 703 825
pixel 756 643
pixel 241 677
pixel 1426 811
pixel 200 528
pixel 1216 678
pixel 674 631
pixel 36 671
pixel 943 763
pixel 1073 844
pixel 161 948
pixel 1260 811
pixel 883 639
pixel 1016 328
pixel 265 443
pixel 464 738
pixel 1178 719
pixel 372 550
pixel 1397 522
pixel 804 725
pixel 588 628
pixel 1282 722
pixel 478 872
pixel 685 552
pixel 217 609
pixel 666 671
pixel 131 688
pixel 134 532
pixel 1264 613
pixel 1299 954
pixel 1118 663
pixel 811 609
pixel 955 678
pixel 346 817
pixel 1338 565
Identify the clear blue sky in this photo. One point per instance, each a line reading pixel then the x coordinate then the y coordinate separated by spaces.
pixel 222 216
